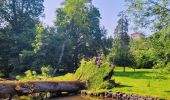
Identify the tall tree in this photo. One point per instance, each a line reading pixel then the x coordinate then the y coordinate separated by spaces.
pixel 154 14
pixel 78 21
pixel 21 16
pixel 120 54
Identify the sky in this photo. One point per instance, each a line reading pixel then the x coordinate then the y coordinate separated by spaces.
pixel 108 10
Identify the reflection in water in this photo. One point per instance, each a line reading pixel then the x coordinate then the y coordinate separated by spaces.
pixel 78 98
pixel 72 98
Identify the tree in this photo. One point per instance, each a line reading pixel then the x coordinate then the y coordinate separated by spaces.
pixel 154 51
pixel 21 16
pixel 78 21
pixel 120 54
pixel 143 53
pixel 161 48
pixel 50 48
pixel 5 44
pixel 154 14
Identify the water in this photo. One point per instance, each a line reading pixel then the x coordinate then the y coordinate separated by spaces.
pixel 72 98
pixel 78 97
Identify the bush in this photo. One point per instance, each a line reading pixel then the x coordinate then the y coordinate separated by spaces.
pixel 94 74
pixel 46 73
pixel 29 75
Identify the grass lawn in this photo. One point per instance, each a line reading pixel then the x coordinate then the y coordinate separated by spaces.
pixel 145 82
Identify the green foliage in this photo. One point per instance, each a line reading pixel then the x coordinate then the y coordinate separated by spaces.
pixel 20 18
pixel 94 74
pixel 86 68
pixel 105 85
pixel 5 45
pixel 46 71
pixel 153 51
pixel 143 53
pixel 26 43
pixel 26 58
pixel 78 21
pixel 152 14
pixel 160 42
pixel 29 75
pixel 120 54
pixel 38 42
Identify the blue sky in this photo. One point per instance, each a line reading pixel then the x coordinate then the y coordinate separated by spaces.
pixel 109 10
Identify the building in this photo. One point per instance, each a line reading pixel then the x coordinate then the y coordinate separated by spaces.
pixel 137 35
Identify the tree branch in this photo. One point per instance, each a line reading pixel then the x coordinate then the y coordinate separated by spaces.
pixel 155 3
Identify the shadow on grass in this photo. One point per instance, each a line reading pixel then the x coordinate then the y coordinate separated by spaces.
pixel 121 86
pixel 139 75
pixel 167 91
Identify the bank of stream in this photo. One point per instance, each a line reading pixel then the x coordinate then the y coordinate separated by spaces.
pixel 70 97
pixel 86 95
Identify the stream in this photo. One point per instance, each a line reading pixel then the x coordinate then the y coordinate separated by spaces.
pixel 78 97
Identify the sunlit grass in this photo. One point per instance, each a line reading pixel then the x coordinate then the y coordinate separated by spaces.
pixel 146 82
pixel 67 77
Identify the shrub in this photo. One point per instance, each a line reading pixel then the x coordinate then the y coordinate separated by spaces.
pixel 94 75
pixel 29 75
pixel 46 71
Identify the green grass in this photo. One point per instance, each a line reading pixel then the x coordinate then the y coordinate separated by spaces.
pixel 67 77
pixel 145 82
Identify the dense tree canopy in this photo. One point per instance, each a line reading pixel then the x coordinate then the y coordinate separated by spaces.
pixel 142 52
pixel 20 17
pixel 77 34
pixel 79 22
pixel 161 47
pixel 25 43
pixel 152 51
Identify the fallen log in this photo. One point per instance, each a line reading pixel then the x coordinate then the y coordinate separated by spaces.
pixel 29 87
pixel 1 79
pixel 7 88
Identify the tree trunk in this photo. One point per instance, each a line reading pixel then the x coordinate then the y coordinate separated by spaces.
pixel 124 68
pixel 108 77
pixel 76 57
pixel 21 88
pixel 134 69
pixel 60 58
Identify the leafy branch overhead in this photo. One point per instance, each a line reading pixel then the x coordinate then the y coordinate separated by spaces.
pixel 154 14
